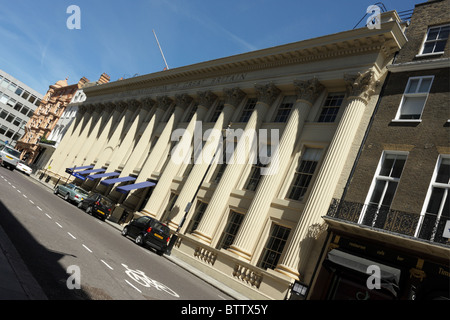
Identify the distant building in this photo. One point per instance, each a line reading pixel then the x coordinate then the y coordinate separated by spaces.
pixel 394 213
pixel 17 105
pixel 48 145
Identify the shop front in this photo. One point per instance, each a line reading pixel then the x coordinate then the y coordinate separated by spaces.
pixel 353 267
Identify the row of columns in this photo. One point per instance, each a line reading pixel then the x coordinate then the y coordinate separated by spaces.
pixel 96 131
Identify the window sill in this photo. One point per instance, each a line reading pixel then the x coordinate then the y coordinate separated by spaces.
pixel 406 120
pixel 429 54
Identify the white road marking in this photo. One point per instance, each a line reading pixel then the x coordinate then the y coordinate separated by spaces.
pixel 133 286
pixel 71 235
pixel 106 264
pixel 14 187
pixel 31 202
pixel 87 248
pixel 25 196
pixel 59 225
pixel 39 208
pixel 48 216
pixel 19 191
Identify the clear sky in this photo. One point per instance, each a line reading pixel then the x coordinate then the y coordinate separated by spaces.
pixel 116 36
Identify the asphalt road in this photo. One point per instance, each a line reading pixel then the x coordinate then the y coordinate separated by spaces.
pixel 63 247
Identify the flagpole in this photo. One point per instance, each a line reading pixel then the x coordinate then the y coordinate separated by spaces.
pixel 167 67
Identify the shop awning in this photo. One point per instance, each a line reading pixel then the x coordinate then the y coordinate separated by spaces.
pixel 103 175
pixel 92 171
pixel 117 180
pixel 127 188
pixel 70 170
pixel 390 277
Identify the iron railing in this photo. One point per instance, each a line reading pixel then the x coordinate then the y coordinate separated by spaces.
pixel 386 219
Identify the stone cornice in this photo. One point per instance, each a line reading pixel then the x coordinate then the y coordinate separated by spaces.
pixel 387 40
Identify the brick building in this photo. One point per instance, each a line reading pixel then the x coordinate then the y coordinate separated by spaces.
pixel 394 212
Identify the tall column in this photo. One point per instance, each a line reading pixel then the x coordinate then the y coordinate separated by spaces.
pixel 114 141
pixel 59 155
pixel 93 135
pixel 147 111
pixel 200 168
pixel 128 135
pixel 161 146
pixel 66 143
pixel 156 202
pixel 250 230
pixel 79 144
pixel 297 255
pixel 216 207
pixel 164 139
pixel 144 142
pixel 113 114
pixel 90 115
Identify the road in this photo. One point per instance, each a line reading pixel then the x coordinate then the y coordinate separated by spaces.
pixel 63 246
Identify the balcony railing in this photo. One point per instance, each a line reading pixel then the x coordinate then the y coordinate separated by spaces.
pixel 384 218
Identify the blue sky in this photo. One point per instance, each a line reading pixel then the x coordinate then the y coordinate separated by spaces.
pixel 116 36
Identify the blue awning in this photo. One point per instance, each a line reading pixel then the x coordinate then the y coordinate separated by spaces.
pixel 127 188
pixel 103 175
pixel 113 181
pixel 92 171
pixel 70 170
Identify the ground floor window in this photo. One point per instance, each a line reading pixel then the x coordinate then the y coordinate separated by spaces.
pixel 231 229
pixel 436 210
pixel 274 247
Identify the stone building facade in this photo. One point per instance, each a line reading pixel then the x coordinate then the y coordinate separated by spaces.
pixel 394 213
pixel 255 232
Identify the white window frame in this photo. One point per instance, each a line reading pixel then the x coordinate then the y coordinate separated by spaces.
pixel 377 176
pixel 413 95
pixel 432 185
pixel 421 54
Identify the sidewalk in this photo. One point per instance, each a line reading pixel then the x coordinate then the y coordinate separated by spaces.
pixel 23 293
pixel 16 281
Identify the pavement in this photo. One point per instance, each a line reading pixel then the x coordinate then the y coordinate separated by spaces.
pixel 17 282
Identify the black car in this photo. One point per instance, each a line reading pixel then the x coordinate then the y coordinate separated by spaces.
pixel 97 205
pixel 148 231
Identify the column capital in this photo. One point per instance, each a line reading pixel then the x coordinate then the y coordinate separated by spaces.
pixel 361 85
pixel 121 104
pixel 163 102
pixel 133 104
pixel 308 90
pixel 234 96
pixel 183 100
pixel 267 93
pixel 148 103
pixel 84 108
pixel 206 98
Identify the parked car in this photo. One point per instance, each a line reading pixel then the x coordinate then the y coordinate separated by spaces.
pixel 10 157
pixel 24 168
pixel 148 231
pixel 97 205
pixel 71 192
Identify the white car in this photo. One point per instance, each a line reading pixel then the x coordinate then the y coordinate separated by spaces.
pixel 24 168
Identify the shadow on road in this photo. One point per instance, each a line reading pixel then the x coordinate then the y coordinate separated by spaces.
pixel 42 263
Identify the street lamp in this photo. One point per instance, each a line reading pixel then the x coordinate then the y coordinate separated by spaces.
pixel 299 291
